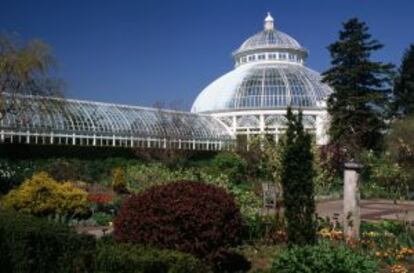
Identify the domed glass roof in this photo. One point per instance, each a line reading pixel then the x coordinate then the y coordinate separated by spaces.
pixel 263 86
pixel 269 74
pixel 270 39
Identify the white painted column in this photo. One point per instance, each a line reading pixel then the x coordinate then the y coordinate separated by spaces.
pixel 262 124
pixel 234 124
pixel 322 127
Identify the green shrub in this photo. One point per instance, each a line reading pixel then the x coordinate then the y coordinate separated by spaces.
pixel 102 218
pixel 116 258
pixel 297 179
pixel 231 164
pixel 13 173
pixel 323 258
pixel 144 176
pixel 383 175
pixel 41 195
pixel 33 245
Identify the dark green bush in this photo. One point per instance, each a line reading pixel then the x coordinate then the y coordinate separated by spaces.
pixel 297 179
pixel 323 258
pixel 125 258
pixel 231 164
pixel 33 245
pixel 228 261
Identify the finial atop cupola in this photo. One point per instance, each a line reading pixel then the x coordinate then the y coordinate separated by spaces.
pixel 269 22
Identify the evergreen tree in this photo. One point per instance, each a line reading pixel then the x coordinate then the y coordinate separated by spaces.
pixel 404 85
pixel 297 175
pixel 361 86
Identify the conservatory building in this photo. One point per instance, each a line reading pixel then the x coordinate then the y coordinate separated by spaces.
pixel 269 76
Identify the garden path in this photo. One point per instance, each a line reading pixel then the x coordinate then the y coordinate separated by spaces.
pixel 371 210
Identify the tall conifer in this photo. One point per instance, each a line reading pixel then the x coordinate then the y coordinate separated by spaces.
pixel 404 85
pixel 361 88
pixel 297 175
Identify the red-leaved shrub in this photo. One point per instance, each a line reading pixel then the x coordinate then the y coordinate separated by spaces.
pixel 187 216
pixel 99 198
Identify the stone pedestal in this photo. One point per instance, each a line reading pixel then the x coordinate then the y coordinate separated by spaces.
pixel 352 219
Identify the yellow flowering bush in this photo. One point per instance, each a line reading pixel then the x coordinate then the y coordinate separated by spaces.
pixel 119 181
pixel 42 195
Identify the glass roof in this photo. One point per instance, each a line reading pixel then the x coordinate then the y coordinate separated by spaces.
pixel 270 86
pixel 263 86
pixel 269 74
pixel 45 114
pixel 270 39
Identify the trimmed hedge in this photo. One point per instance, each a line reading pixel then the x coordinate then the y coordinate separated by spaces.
pixel 33 245
pixel 125 258
pixel 187 216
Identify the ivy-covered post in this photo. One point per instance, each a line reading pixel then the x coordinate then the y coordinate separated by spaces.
pixel 352 219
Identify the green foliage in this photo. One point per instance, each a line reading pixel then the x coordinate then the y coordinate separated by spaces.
pixel 42 195
pixel 119 181
pixel 381 171
pixel 323 258
pixel 102 218
pixel 249 202
pixel 32 245
pixel 400 145
pixel 13 173
pixel 357 105
pixel 263 159
pixel 404 85
pixel 297 177
pixel 232 165
pixel 115 258
pixel 328 168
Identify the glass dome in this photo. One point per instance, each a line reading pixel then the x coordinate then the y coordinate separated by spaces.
pixel 263 86
pixel 269 39
pixel 269 74
pixel 270 86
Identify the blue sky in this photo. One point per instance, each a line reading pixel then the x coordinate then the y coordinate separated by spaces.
pixel 144 51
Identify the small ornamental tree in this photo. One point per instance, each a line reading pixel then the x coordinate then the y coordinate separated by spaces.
pixel 186 216
pixel 297 175
pixel 119 182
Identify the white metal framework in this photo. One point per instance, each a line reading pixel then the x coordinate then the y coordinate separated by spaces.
pixel 269 76
pixel 252 99
pixel 46 120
